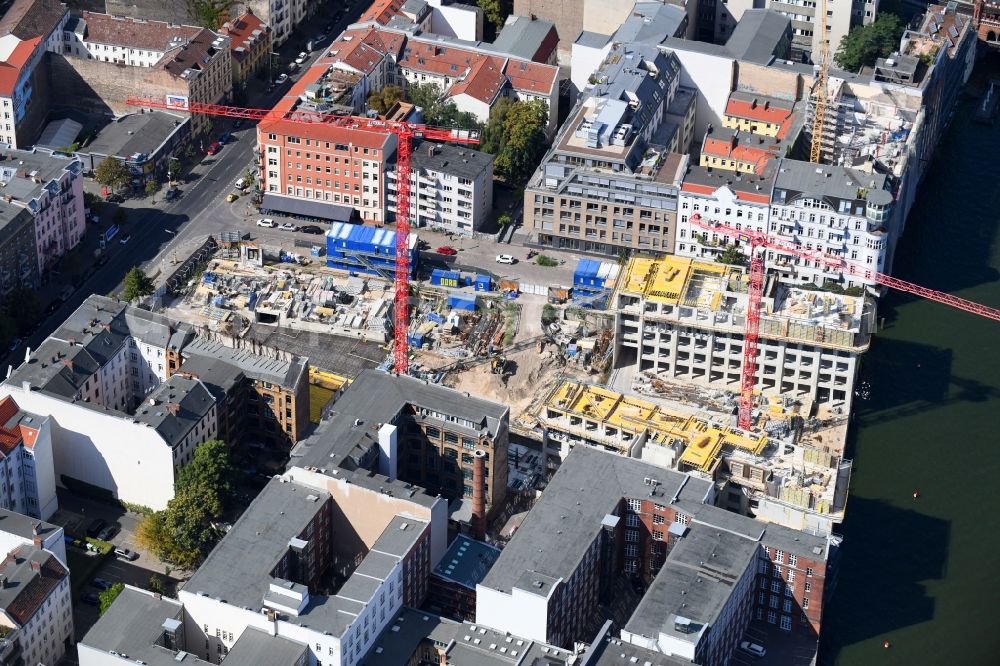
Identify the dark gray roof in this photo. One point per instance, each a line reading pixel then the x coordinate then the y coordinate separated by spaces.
pixel 523 37
pixel 26 589
pixel 565 521
pixel 256 366
pixel 258 648
pixel 821 180
pixel 460 162
pixel 651 23
pixel 132 626
pixel 760 35
pixel 749 183
pixel 466 561
pixel 322 210
pixel 24 526
pixel 175 407
pixel 135 133
pixel 694 583
pixel 218 376
pixel 481 646
pixel 594 40
pixel 27 19
pixel 707 48
pixel 26 173
pixel 606 650
pixel 401 638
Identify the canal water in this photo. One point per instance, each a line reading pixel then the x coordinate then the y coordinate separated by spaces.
pixel 924 573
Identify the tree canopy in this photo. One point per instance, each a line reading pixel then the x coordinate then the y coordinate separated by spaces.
pixel 732 255
pixel 382 100
pixel 183 533
pixel 437 112
pixel 865 44
pixel 112 173
pixel 137 284
pixel 496 12
pixel 108 596
pixel 515 135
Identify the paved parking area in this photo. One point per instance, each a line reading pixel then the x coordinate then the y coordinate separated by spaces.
pixel 783 648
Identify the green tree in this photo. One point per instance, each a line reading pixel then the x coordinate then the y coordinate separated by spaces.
pixel 210 467
pixel 112 173
pixel 865 44
pixel 732 255
pixel 137 284
pixel 173 168
pixel 109 595
pixel 515 135
pixel 382 100
pixel 190 153
pixel 152 186
pixel 496 11
pixel 155 584
pixel 438 112
pixel 91 200
pixel 548 314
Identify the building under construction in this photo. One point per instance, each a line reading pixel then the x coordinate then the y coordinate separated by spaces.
pixel 684 320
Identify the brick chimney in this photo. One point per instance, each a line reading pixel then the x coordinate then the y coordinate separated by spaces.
pixel 479 495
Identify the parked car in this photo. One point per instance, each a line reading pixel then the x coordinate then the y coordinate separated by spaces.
pixel 108 533
pixel 311 229
pixel 225 138
pixel 172 193
pixel 95 527
pixel 91 599
pixel 231 197
pixel 214 148
pixel 241 184
pixel 753 648
pixel 319 38
pixel 101 584
pixel 505 259
pixel 126 554
pixel 281 79
pixel 266 222
pixel 303 56
pixel 447 251
pixel 125 239
pixel 288 226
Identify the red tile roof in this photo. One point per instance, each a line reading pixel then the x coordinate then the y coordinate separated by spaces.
pixel 381 11
pixel 762 112
pixel 10 435
pixel 362 138
pixel 240 33
pixel 532 76
pixel 484 81
pixel 361 50
pixel 10 70
pixel 734 150
pixel 126 31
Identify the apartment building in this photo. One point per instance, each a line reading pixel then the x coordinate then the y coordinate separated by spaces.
pixel 109 58
pixel 18 529
pixel 451 188
pixel 423 434
pixel 150 628
pixel 124 419
pixel 756 129
pixel 50 189
pixel 28 30
pixel 797 482
pixel 659 525
pixel 35 606
pixel 326 165
pixel 610 181
pixel 452 585
pixel 684 320
pixel 26 469
pixel 249 47
pixel 366 55
pixel 282 16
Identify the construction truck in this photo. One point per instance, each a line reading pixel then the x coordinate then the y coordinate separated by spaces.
pixel 497 364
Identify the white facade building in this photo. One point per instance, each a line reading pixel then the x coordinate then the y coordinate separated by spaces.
pixel 450 188
pixel 27 479
pixel 35 604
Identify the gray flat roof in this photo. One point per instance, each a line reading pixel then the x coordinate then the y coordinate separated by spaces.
pixel 135 133
pixel 255 366
pixel 746 182
pixel 460 162
pixel 401 638
pixel 565 521
pixel 651 23
pixel 466 561
pixel 24 526
pixel 133 624
pixel 694 583
pixel 523 37
pixel 26 588
pixel 757 36
pixel 607 650
pixel 823 180
pixel 176 406
pixel 220 377
pixel 258 648
pixel 594 40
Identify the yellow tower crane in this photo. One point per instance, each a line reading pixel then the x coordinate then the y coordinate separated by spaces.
pixel 819 91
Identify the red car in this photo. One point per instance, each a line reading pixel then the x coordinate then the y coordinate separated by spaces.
pixel 447 251
pixel 214 148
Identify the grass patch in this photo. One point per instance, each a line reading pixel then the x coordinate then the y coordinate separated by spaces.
pixel 318 399
pixel 545 260
pixel 83 565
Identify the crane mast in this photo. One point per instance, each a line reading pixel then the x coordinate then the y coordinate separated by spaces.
pixel 405 134
pixel 819 91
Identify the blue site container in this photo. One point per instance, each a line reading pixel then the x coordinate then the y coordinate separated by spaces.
pixel 435 317
pixel 484 283
pixel 208 278
pixel 416 339
pixel 462 302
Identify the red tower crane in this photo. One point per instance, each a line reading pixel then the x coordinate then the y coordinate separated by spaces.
pixel 405 133
pixel 757 240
